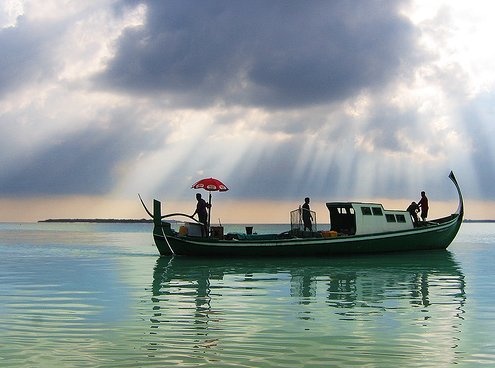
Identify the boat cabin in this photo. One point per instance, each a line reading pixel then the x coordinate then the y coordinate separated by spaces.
pixel 356 218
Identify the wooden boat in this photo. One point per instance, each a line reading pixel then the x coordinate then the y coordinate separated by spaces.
pixel 355 228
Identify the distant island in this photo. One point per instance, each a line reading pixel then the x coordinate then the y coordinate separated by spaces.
pixel 125 221
pixel 485 221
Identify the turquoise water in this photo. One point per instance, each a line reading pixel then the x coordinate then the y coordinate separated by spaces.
pixel 98 295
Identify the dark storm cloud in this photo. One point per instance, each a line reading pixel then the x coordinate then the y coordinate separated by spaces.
pixel 82 163
pixel 275 53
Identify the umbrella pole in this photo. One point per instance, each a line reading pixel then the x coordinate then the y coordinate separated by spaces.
pixel 209 215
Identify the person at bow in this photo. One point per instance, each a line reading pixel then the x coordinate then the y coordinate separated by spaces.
pixel 423 204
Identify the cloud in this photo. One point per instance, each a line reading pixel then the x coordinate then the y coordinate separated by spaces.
pixel 27 56
pixel 280 99
pixel 479 129
pixel 86 161
pixel 270 54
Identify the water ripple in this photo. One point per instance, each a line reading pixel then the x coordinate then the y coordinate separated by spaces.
pixel 100 301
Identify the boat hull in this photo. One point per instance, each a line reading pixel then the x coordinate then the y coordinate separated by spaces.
pixel 431 237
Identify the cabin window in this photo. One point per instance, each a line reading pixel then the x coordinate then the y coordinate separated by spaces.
pixel 390 218
pixel 377 211
pixel 345 210
pixel 366 211
pixel 400 218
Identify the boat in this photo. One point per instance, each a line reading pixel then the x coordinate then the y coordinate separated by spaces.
pixel 355 228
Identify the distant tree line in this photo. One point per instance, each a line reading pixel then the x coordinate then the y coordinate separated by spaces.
pixel 478 220
pixel 125 221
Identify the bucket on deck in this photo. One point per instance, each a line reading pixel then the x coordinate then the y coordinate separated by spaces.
pixel 249 230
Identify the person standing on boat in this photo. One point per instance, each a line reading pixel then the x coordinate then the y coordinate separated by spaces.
pixel 306 215
pixel 202 211
pixel 423 204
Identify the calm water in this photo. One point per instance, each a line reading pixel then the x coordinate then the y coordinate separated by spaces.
pixel 96 295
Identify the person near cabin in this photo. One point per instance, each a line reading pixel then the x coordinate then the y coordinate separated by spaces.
pixel 202 211
pixel 413 209
pixel 423 204
pixel 306 215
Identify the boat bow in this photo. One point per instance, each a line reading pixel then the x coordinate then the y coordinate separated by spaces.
pixel 460 208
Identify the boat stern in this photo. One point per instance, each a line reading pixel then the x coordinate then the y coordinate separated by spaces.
pixel 160 229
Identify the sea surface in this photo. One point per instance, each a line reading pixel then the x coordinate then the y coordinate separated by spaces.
pixel 98 295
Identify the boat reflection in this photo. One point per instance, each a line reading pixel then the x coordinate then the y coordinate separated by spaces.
pixel 348 281
pixel 200 294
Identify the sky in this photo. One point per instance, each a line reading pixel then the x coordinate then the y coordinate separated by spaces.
pixel 335 100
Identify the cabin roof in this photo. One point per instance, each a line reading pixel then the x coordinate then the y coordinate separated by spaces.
pixel 342 204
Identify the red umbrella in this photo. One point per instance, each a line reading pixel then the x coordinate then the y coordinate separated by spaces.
pixel 211 185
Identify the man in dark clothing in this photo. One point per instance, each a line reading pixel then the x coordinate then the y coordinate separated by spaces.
pixel 202 211
pixel 306 215
pixel 423 204
pixel 413 209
